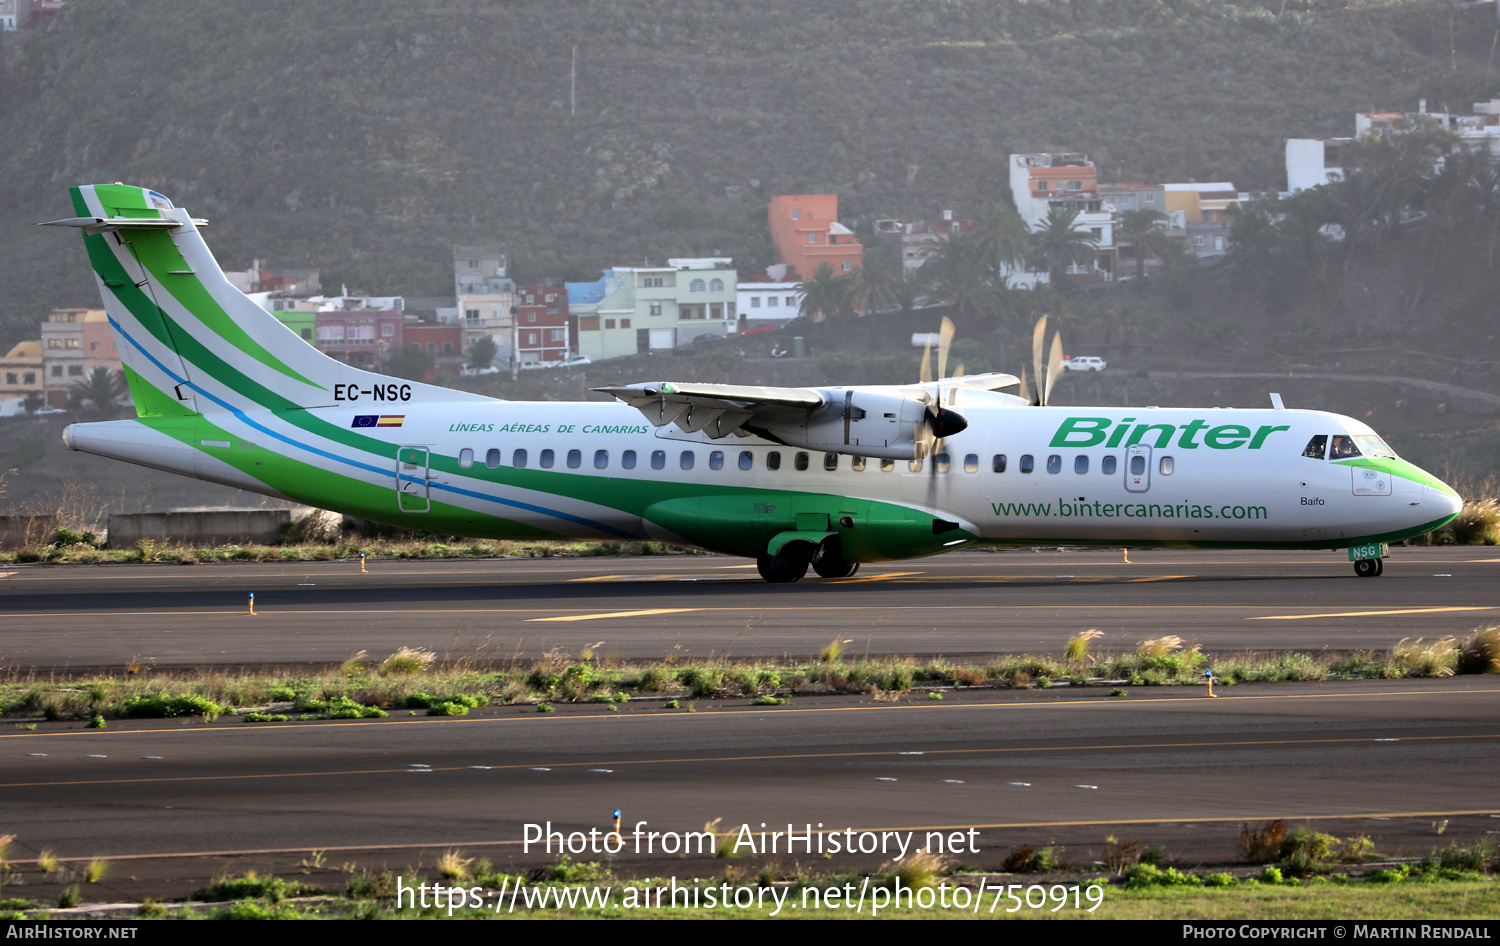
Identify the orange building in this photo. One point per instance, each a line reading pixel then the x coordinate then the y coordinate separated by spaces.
pixel 74 343
pixel 806 232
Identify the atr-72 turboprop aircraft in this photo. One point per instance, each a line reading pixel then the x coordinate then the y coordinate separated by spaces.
pixel 792 477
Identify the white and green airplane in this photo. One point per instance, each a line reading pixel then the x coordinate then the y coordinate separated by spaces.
pixel 792 477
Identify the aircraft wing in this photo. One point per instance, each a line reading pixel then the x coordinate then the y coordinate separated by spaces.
pixel 883 421
pixel 717 410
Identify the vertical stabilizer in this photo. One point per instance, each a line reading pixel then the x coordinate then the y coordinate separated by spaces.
pixel 192 343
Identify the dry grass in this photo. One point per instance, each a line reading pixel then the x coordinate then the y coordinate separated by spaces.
pixel 452 865
pixel 1077 649
pixel 1481 652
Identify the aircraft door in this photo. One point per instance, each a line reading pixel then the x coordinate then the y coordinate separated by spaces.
pixel 412 479
pixel 1137 468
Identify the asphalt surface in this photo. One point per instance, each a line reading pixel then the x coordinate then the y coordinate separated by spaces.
pixel 962 604
pixel 1410 763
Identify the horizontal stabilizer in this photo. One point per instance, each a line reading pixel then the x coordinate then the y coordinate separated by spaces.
pixel 113 224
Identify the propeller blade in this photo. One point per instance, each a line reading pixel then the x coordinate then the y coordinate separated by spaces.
pixel 1054 367
pixel 924 374
pixel 953 389
pixel 945 339
pixel 1038 338
pixel 1024 390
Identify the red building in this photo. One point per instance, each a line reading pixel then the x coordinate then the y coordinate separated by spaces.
pixel 445 343
pixel 363 337
pixel 544 329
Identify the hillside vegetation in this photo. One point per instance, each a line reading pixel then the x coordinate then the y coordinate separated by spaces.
pixel 368 138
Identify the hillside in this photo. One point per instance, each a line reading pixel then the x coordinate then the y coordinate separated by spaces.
pixel 368 138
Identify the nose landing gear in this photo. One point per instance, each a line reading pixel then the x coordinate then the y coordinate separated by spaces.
pixel 1369 567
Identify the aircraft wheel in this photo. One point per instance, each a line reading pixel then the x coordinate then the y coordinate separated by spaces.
pixel 1368 567
pixel 834 567
pixel 781 568
pixel 1380 566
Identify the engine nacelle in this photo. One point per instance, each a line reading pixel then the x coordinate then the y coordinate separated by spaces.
pixel 863 423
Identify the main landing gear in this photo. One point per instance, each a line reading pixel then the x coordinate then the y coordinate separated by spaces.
pixel 791 562
pixel 1369 567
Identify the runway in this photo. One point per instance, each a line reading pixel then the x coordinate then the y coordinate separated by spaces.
pixel 174 803
pixel 962 604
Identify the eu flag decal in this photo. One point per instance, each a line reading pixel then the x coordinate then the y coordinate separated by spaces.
pixel 365 420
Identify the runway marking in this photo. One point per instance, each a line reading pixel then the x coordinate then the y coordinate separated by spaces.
pixel 869 578
pixel 614 614
pixel 599 578
pixel 601 765
pixel 1160 578
pixel 1361 614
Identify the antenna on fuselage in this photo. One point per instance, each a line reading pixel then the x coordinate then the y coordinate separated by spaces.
pixel 1276 402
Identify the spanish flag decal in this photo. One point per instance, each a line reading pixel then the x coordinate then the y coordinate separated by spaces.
pixel 378 420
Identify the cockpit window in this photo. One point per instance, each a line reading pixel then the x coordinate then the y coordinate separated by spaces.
pixel 1316 448
pixel 1373 446
pixel 1344 448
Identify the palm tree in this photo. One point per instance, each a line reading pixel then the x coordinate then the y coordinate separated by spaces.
pixel 99 391
pixel 1057 245
pixel 877 285
pixel 958 273
pixel 1003 237
pixel 1142 231
pixel 826 295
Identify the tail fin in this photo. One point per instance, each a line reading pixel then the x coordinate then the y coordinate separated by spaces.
pixel 190 342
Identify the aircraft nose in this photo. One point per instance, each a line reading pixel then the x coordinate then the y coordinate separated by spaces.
pixel 1445 502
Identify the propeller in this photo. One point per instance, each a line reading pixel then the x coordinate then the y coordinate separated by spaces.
pixel 942 421
pixel 1054 364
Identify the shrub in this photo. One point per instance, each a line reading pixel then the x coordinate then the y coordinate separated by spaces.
pixel 1263 844
pixel 1478 523
pixel 156 705
pixel 1149 875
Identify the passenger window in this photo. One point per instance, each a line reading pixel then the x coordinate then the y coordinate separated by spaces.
pixel 887 466
pixel 658 459
pixel 627 459
pixel 1107 466
pixel 518 459
pixel 716 460
pixel 466 458
pixel 1166 466
pixel 800 462
pixel 686 460
pixel 998 463
pixel 747 460
pixel 545 460
pixel 830 461
pixel 1027 463
pixel 601 459
pixel 1138 464
pixel 1316 448
pixel 492 458
pixel 1343 448
pixel 773 460
pixel 575 459
pixel 915 466
pixel 971 463
pixel 943 462
pixel 1054 464
pixel 1080 464
pixel 857 464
